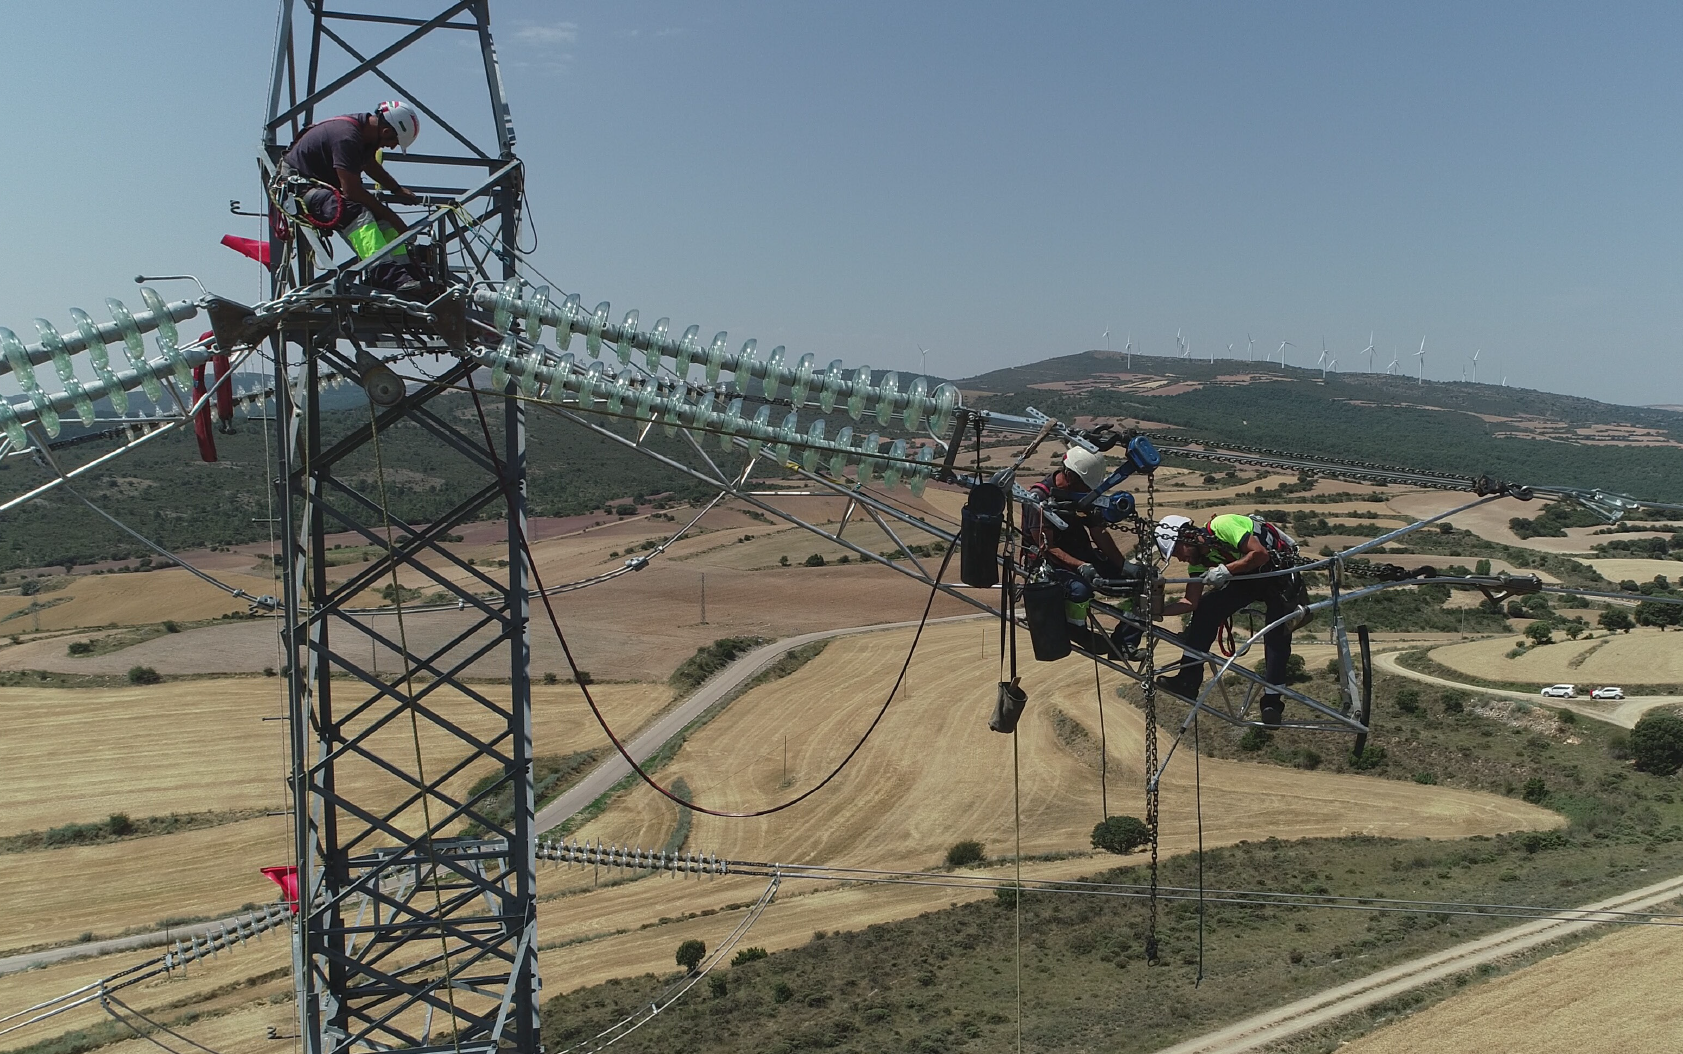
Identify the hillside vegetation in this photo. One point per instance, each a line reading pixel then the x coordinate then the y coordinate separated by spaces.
pixel 1368 417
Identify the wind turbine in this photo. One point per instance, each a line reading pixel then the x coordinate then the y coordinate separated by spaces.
pixel 1284 344
pixel 1322 361
pixel 923 362
pixel 1130 351
pixel 1250 349
pixel 1368 351
pixel 1420 357
pixel 1106 338
pixel 1325 368
pixel 1229 353
pixel 1392 368
pixel 1475 365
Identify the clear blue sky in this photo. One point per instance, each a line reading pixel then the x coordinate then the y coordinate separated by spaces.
pixel 997 183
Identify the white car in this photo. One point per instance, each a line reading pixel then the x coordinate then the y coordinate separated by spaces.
pixel 1561 691
pixel 1608 692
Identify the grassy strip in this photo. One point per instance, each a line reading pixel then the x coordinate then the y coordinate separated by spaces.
pixel 709 659
pixel 120 828
pixel 552 776
pixel 127 638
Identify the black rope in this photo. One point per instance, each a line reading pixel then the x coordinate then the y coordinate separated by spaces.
pixel 561 638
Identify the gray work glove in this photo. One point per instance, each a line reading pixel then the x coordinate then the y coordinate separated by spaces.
pixel 1216 577
pixel 1089 574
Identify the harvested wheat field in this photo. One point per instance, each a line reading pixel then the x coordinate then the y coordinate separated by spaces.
pixel 54 895
pixel 236 986
pixel 1489 521
pixel 1638 571
pixel 133 599
pixel 195 746
pixel 1614 996
pixel 1642 656
pixel 933 773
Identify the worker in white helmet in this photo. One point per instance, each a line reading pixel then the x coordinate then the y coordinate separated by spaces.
pixel 331 157
pixel 1081 553
pixel 1233 559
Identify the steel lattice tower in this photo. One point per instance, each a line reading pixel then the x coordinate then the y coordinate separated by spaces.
pixel 409 934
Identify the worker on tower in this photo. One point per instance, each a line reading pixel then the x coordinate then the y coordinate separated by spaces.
pixel 1232 556
pixel 1081 553
pixel 325 167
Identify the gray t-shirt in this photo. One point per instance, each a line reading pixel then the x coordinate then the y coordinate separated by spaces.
pixel 327 145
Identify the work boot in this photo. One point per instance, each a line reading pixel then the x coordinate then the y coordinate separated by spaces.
pixel 1273 708
pixel 1184 683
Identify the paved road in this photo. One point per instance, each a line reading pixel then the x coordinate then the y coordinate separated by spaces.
pixel 1625 714
pixel 1282 1022
pixel 721 684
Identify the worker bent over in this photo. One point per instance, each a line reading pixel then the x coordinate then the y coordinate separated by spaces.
pixel 1081 553
pixel 331 157
pixel 1233 555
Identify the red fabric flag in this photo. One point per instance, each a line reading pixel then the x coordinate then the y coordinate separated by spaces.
pixel 251 247
pixel 286 878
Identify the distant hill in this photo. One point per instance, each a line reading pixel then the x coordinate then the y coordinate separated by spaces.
pixel 1516 434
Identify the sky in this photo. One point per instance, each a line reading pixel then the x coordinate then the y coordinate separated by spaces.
pixel 995 183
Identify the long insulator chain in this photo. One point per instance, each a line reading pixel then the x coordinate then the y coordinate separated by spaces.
pixel 884 399
pixel 20 360
pixel 1149 691
pixel 632 857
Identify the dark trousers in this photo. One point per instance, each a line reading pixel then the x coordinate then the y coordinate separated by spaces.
pixel 1217 607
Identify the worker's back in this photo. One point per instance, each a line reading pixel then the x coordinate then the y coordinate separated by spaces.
pixel 329 144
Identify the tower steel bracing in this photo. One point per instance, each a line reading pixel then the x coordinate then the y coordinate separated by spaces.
pixel 416 926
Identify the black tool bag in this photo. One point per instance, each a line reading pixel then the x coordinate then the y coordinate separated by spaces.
pixel 978 536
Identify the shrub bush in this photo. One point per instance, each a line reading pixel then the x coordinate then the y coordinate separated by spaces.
pixel 1535 790
pixel 718 986
pixel 1453 702
pixel 80 647
pixel 144 675
pixel 748 955
pixel 963 854
pixel 625 510
pixel 1408 700
pixel 1540 632
pixel 1656 743
pixel 1120 834
pixel 1371 757
pixel 815 560
pixel 690 954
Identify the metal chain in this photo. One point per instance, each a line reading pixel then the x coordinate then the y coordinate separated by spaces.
pixel 1148 687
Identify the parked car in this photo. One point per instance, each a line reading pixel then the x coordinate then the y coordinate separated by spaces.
pixel 1609 692
pixel 1561 691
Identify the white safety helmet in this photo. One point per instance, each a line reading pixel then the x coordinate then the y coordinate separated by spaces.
pixel 1086 465
pixel 1169 530
pixel 401 116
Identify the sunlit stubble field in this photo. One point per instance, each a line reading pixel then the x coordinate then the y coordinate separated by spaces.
pixel 933 774
pixel 81 755
pixel 1643 656
pixel 1614 996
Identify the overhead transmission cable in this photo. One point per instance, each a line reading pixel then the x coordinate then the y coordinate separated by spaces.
pixel 601 719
